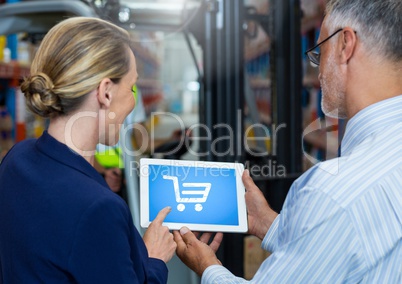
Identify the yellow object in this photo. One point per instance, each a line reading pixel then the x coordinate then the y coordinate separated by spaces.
pixel 135 93
pixel 3 42
pixel 251 140
pixel 152 122
pixel 111 158
pixel 39 126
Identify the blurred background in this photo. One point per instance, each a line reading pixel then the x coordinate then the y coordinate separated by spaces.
pixel 238 63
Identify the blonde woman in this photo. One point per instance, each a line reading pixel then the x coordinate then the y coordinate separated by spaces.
pixel 59 221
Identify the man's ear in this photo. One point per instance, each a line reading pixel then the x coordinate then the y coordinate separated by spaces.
pixel 104 93
pixel 348 44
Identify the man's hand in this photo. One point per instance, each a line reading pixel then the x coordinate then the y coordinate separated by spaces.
pixel 260 215
pixel 158 240
pixel 196 253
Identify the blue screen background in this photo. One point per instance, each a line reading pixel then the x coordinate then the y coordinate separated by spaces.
pixel 220 206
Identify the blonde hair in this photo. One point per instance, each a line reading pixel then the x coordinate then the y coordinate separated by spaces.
pixel 71 61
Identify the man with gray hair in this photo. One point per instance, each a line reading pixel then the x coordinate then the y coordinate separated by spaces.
pixel 342 220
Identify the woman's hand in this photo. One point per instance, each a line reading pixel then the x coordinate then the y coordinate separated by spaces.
pixel 158 240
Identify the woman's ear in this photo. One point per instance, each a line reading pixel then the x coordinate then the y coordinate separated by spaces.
pixel 105 93
pixel 348 43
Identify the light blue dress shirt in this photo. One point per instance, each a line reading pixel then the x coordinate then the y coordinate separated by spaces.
pixel 342 219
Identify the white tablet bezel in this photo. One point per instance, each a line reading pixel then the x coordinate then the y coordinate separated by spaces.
pixel 242 227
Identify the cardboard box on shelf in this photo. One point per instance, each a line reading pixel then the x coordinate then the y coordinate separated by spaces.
pixel 254 256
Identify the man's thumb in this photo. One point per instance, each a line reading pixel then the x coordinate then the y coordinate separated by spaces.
pixel 187 235
pixel 247 180
pixel 249 183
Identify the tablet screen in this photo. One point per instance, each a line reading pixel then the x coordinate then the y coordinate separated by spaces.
pixel 204 196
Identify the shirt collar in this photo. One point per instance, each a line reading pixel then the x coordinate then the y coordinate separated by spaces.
pixel 370 120
pixel 64 155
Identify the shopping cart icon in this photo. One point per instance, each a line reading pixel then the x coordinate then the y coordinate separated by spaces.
pixel 180 195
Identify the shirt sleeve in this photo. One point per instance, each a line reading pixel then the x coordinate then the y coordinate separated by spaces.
pixel 313 241
pixel 219 274
pixel 270 241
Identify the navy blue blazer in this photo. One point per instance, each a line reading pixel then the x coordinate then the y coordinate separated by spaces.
pixel 60 222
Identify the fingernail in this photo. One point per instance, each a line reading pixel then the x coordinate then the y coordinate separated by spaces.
pixel 184 230
pixel 169 208
pixel 247 172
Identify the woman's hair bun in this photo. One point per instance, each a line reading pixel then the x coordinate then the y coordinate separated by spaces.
pixel 40 98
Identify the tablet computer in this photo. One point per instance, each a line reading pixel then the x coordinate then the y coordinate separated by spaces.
pixel 204 196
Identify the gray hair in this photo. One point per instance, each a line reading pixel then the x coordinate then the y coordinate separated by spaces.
pixel 378 24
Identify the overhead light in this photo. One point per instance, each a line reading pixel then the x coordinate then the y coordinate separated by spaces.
pixel 124 14
pixel 167 15
pixel 193 86
pixel 99 3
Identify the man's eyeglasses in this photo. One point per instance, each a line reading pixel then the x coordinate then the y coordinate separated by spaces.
pixel 314 56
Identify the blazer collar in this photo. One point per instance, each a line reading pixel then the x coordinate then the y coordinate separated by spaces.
pixel 64 155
